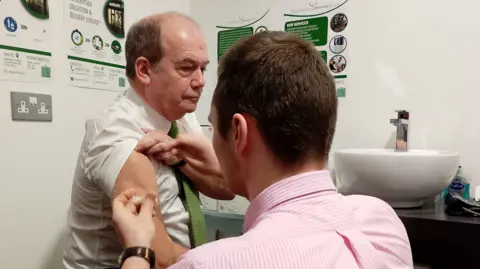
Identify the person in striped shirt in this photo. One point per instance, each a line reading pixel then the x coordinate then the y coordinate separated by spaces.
pixel 274 113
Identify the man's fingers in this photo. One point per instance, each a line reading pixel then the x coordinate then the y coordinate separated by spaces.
pixel 156 149
pixel 132 206
pixel 166 157
pixel 147 142
pixel 147 209
pixel 176 152
pixel 185 155
pixel 125 196
pixel 151 139
pixel 169 145
pixel 190 142
pixel 121 202
pixel 181 143
pixel 146 131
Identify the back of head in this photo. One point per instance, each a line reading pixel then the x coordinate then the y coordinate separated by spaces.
pixel 283 83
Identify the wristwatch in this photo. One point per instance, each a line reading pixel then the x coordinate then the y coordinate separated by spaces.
pixel 141 252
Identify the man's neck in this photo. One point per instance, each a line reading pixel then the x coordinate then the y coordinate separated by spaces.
pixel 267 173
pixel 140 92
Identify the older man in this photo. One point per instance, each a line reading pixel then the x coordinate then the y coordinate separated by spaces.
pixel 274 112
pixel 166 56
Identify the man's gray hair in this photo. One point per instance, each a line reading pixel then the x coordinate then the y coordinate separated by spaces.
pixel 144 40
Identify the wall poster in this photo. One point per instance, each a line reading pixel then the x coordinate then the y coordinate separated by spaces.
pixel 25 41
pixel 96 40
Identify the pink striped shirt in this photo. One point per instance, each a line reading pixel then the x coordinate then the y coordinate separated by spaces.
pixel 302 222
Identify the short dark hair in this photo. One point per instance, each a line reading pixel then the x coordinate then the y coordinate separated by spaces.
pixel 143 39
pixel 284 84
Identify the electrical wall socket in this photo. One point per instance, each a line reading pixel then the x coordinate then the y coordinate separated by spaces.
pixel 31 106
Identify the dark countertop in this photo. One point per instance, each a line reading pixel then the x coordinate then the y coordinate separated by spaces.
pixel 434 211
pixel 440 240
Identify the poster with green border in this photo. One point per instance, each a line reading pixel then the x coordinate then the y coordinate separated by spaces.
pixel 95 34
pixel 25 41
pixel 326 26
pixel 241 25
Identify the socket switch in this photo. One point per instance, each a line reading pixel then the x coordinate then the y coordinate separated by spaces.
pixel 31 106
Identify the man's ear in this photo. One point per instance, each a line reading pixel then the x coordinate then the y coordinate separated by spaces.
pixel 142 70
pixel 239 133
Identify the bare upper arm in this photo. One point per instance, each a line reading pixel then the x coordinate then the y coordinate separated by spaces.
pixel 137 173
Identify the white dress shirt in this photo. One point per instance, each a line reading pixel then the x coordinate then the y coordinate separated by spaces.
pixel 109 140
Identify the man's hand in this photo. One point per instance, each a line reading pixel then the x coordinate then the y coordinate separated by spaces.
pixel 133 218
pixel 138 173
pixel 152 145
pixel 202 165
pixel 197 151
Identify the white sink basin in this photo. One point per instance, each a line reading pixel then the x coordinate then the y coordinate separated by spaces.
pixel 403 179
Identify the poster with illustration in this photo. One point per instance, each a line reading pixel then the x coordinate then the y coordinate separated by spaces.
pixel 233 24
pixel 96 41
pixel 25 41
pixel 325 24
pixel 226 28
pixel 223 22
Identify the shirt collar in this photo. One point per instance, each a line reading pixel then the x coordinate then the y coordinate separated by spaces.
pixel 150 118
pixel 285 190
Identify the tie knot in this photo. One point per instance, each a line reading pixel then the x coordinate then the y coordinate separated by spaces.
pixel 173 133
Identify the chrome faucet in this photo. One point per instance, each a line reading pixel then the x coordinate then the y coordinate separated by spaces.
pixel 402 122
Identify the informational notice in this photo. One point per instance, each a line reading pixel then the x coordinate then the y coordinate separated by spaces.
pixel 96 41
pixel 226 38
pixel 240 26
pixel 314 30
pixel 325 24
pixel 25 41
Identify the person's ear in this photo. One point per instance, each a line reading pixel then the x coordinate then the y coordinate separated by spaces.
pixel 239 133
pixel 142 70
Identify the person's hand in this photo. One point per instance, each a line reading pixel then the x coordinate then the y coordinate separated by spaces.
pixel 133 218
pixel 152 144
pixel 196 150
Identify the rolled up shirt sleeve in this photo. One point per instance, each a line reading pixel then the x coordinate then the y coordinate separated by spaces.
pixel 109 150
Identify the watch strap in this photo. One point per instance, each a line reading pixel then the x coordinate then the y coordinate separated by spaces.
pixel 147 253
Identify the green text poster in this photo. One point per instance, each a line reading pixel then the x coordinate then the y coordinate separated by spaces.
pixel 25 41
pixel 325 24
pixel 96 40
pixel 238 24
pixel 226 38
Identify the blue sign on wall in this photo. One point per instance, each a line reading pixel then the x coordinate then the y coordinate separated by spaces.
pixel 10 24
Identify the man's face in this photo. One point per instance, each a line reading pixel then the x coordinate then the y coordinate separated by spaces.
pixel 225 151
pixel 177 82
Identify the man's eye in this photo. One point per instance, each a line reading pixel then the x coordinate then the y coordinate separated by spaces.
pixel 188 68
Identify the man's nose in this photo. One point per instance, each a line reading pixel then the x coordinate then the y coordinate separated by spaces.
pixel 198 79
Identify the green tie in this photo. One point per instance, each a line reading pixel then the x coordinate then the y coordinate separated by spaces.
pixel 197 228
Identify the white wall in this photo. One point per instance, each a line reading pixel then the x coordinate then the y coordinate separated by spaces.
pixel 419 56
pixel 37 160
pixel 409 54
